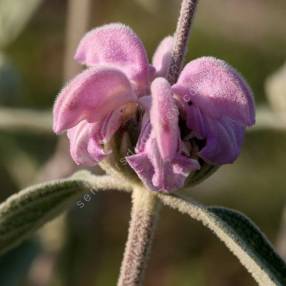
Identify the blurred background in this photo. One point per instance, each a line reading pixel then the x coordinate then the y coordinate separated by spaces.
pixel 85 246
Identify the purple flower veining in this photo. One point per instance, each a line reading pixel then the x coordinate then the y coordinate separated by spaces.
pixel 202 117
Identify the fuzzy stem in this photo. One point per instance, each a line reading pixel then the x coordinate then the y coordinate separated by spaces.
pixel 144 215
pixel 188 8
pixel 145 209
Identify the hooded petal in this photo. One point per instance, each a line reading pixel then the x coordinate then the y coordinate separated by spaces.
pixel 91 96
pixel 162 56
pixel 79 137
pixel 224 140
pixel 164 118
pixel 217 89
pixel 117 45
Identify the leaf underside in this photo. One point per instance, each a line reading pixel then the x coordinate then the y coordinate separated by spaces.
pixel 253 241
pixel 240 235
pixel 25 212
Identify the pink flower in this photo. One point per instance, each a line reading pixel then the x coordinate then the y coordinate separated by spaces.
pixel 102 98
pixel 201 118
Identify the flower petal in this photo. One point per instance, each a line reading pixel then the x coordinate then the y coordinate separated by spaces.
pixel 117 45
pixel 91 96
pixel 164 118
pixel 110 125
pixel 196 121
pixel 169 176
pixel 144 134
pixel 79 137
pixel 224 140
pixel 141 164
pixel 159 175
pixel 182 166
pixel 95 149
pixel 145 102
pixel 162 56
pixel 217 89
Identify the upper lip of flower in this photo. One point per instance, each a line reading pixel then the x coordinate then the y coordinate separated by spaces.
pixel 117 45
pixel 91 96
pixel 118 74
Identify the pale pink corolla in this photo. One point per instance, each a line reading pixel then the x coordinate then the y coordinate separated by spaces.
pixel 200 118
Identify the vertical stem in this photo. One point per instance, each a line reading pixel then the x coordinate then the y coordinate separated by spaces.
pixel 145 209
pixel 188 8
pixel 144 215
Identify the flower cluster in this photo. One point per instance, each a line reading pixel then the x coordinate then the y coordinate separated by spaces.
pixel 201 118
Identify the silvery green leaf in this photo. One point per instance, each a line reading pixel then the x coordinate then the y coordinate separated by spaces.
pixel 240 235
pixel 25 212
pixel 14 15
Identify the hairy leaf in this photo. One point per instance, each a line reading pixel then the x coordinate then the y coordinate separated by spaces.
pixel 28 210
pixel 240 235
